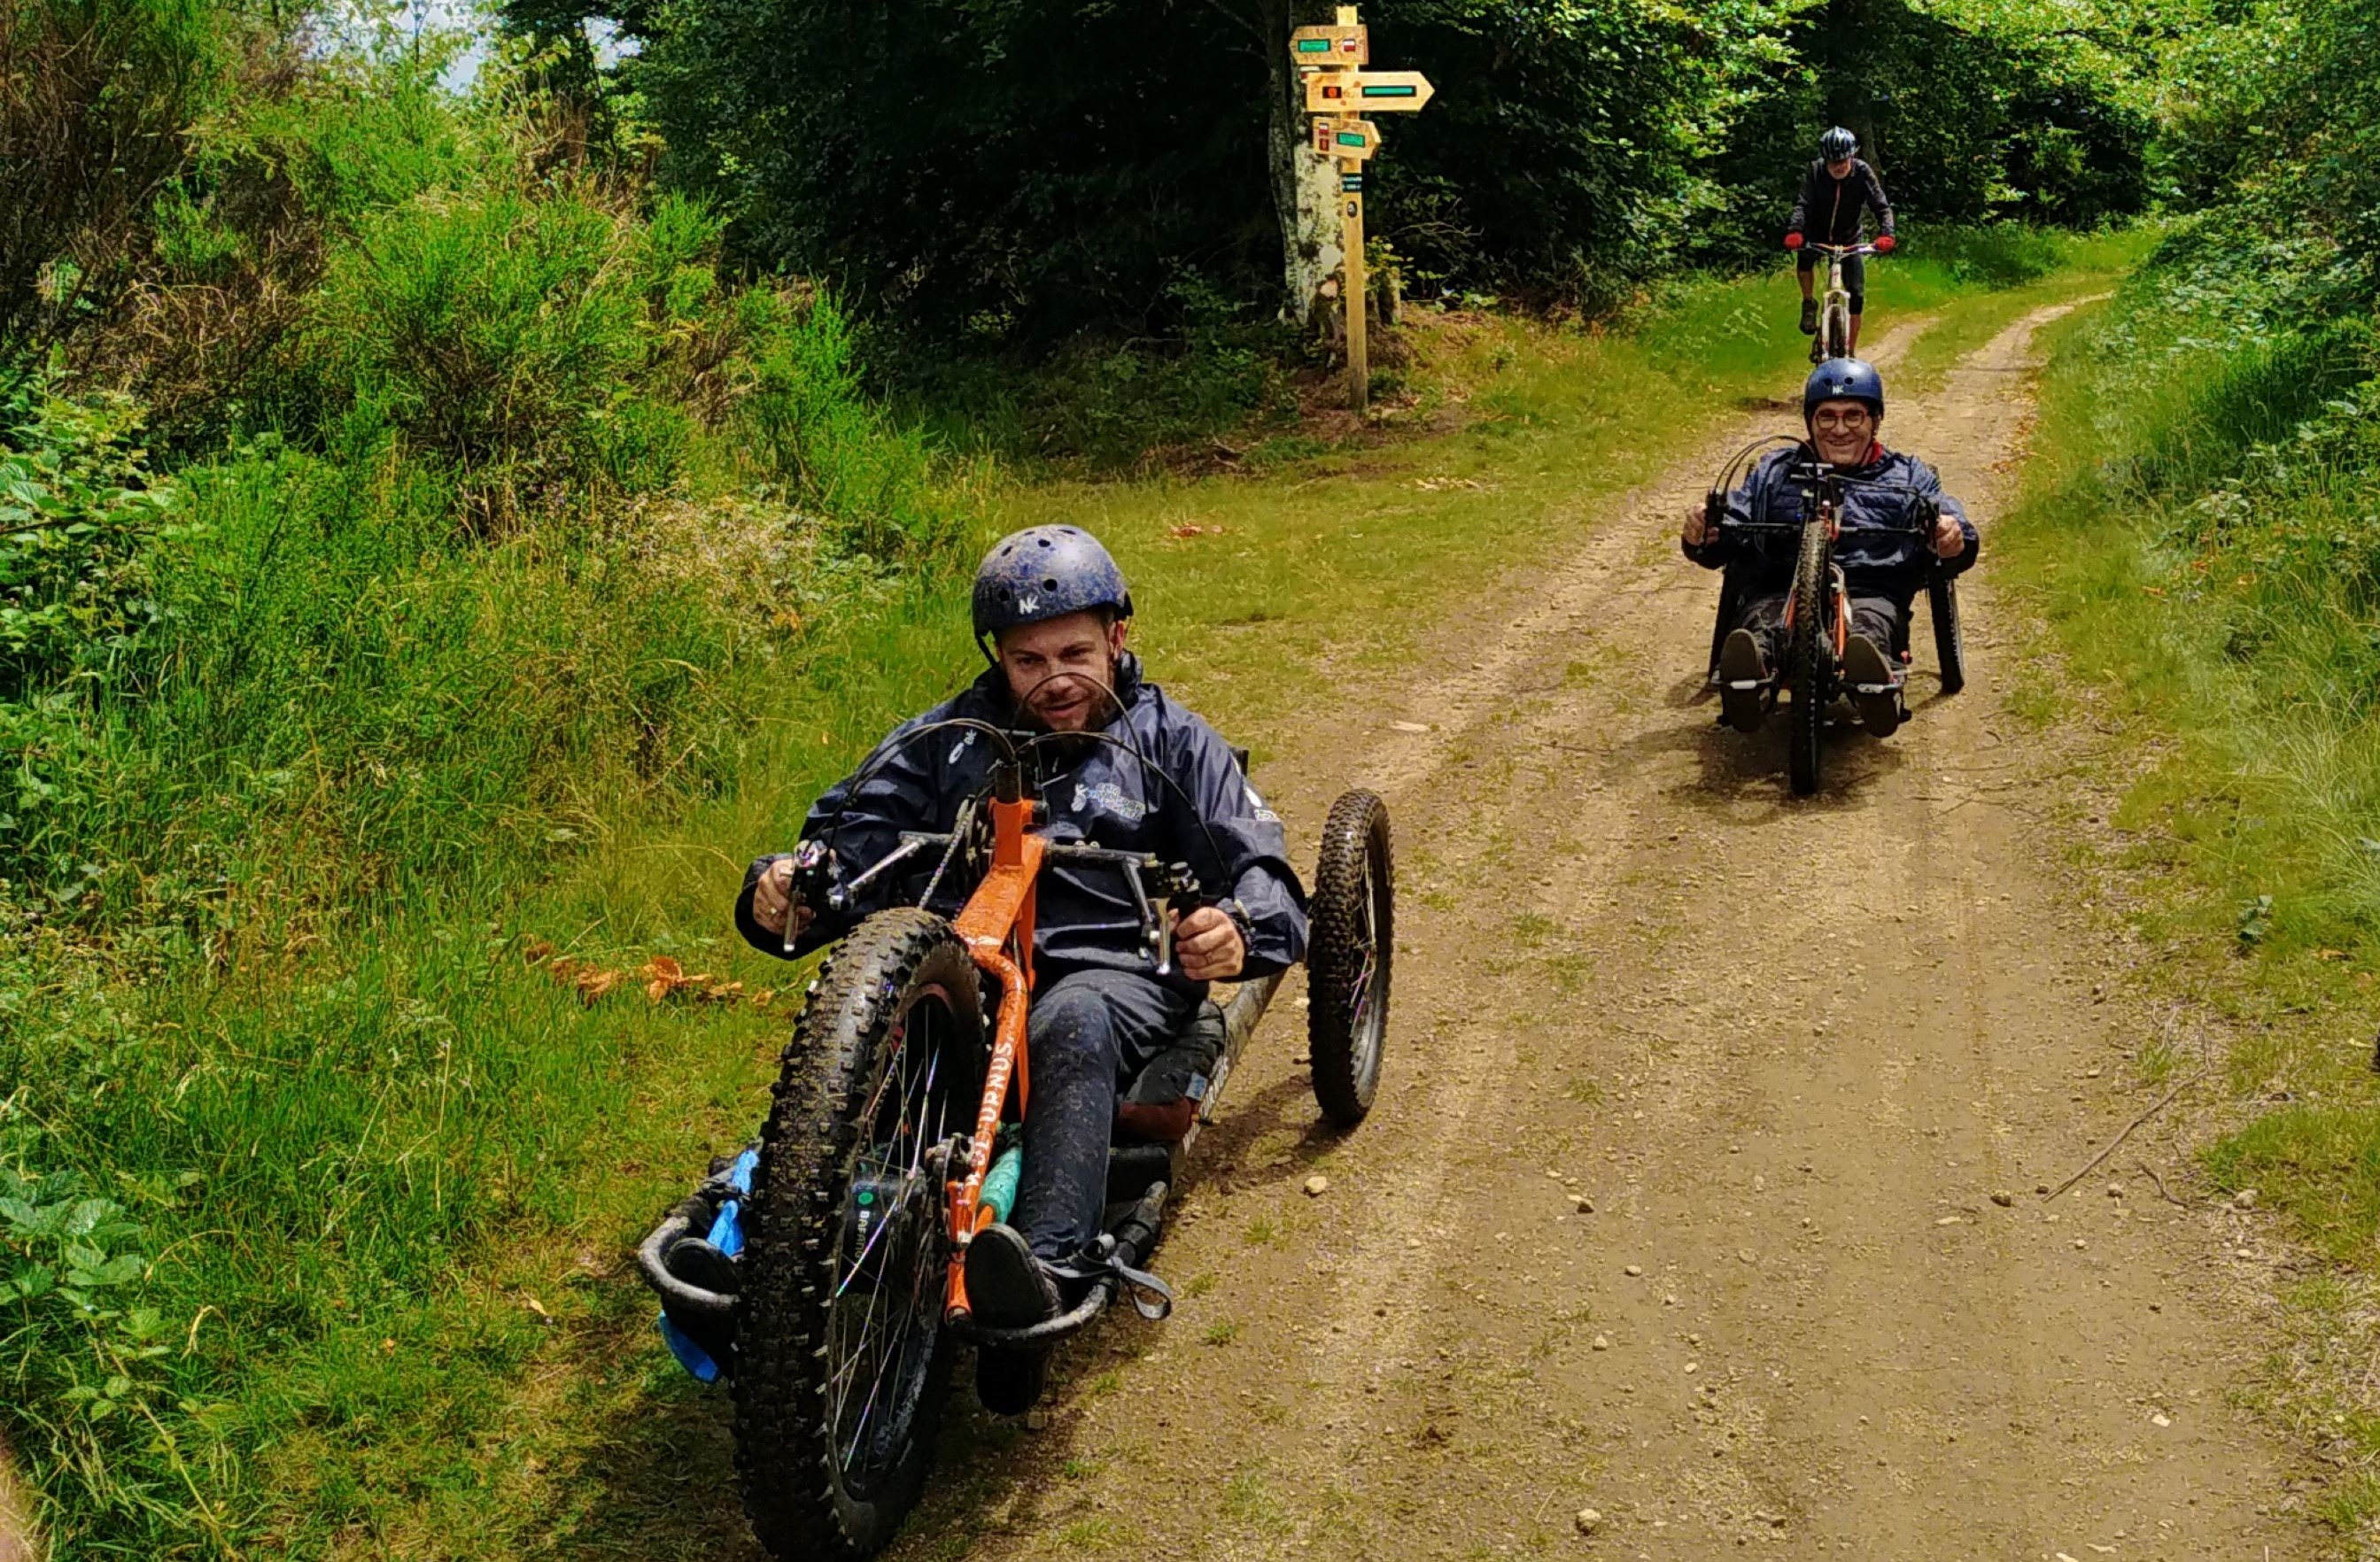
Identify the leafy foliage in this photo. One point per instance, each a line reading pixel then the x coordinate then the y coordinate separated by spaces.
pixel 82 520
pixel 1021 171
pixel 1562 154
pixel 1967 117
pixel 1027 166
pixel 85 1362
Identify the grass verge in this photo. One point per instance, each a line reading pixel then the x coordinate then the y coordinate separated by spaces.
pixel 2195 528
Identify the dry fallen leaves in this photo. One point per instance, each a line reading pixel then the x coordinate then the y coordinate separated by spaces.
pixel 661 978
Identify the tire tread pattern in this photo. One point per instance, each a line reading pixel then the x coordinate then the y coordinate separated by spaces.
pixel 1806 659
pixel 1949 643
pixel 784 1454
pixel 1357 833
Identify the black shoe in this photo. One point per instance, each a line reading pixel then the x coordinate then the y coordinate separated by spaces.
pixel 1008 1289
pixel 1809 317
pixel 1741 678
pixel 1873 688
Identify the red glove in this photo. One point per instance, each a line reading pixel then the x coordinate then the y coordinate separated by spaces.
pixel 1884 244
pixel 1792 241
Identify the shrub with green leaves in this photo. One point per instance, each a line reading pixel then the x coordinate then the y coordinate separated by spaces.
pixel 83 1364
pixel 509 336
pixel 81 521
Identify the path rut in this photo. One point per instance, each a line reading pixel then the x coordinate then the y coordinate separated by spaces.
pixel 1788 1049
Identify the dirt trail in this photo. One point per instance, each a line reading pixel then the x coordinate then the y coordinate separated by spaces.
pixel 1788 1049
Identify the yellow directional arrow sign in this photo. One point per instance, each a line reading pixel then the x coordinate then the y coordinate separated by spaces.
pixel 1336 47
pixel 1366 92
pixel 1355 139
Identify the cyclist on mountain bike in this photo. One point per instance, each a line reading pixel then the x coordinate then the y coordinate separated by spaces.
pixel 1838 187
pixel 1885 496
pixel 1051 611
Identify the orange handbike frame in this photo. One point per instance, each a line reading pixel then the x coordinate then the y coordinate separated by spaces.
pixel 996 925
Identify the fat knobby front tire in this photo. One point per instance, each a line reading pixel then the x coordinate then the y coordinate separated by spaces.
pixel 1809 659
pixel 1949 645
pixel 842 1361
pixel 1351 945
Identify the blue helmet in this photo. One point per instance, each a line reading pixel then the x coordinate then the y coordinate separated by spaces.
pixel 1837 144
pixel 1843 379
pixel 1044 573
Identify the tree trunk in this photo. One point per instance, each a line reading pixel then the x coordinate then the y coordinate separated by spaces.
pixel 1305 188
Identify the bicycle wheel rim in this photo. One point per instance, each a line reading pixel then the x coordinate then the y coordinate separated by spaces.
pixel 884 1312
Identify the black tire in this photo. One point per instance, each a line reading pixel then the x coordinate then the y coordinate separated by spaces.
pixel 1351 947
pixel 1730 596
pixel 1949 645
pixel 885 1062
pixel 1838 333
pixel 1809 662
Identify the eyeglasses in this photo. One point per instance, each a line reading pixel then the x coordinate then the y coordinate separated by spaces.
pixel 1845 422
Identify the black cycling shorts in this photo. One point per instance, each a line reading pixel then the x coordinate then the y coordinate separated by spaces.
pixel 1854 274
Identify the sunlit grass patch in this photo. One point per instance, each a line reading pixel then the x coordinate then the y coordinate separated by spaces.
pixel 2322 1164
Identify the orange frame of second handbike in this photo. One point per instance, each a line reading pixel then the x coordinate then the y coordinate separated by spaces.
pixel 996 925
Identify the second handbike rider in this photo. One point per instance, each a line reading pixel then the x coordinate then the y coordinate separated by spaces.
pixel 1886 496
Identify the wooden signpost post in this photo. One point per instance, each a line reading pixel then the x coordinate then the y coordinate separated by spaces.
pixel 1339 92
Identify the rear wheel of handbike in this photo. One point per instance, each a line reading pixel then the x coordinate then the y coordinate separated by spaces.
pixel 842 1362
pixel 1949 645
pixel 1350 944
pixel 1809 662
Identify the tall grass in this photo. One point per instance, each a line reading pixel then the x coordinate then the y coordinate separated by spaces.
pixel 2199 525
pixel 520 521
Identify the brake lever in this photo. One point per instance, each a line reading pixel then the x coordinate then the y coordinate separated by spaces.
pixel 812 883
pixel 1182 898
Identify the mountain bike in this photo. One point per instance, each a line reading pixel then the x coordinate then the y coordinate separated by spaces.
pixel 1834 338
pixel 822 1269
pixel 1818 612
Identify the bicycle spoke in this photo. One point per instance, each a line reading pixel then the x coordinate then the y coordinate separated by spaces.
pixel 882 1346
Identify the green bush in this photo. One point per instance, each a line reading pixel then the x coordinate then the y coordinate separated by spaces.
pixel 2212 480
pixel 81 521
pixel 504 337
pixel 83 1360
pixel 820 434
pixel 1991 255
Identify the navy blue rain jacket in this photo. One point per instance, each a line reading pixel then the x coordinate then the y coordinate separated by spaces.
pixel 1096 793
pixel 1885 492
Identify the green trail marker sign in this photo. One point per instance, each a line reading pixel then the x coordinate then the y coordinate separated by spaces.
pixel 1345 139
pixel 1366 92
pixel 1337 47
pixel 1338 91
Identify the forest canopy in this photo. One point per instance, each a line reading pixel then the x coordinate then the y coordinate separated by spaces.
pixel 1033 168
